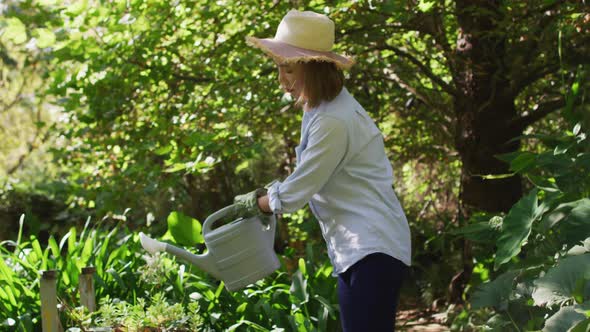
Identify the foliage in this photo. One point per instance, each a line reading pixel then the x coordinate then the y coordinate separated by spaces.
pixel 542 248
pixel 164 115
pixel 133 288
pixel 183 229
pixel 162 108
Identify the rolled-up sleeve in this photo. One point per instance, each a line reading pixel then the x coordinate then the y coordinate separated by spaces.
pixel 326 147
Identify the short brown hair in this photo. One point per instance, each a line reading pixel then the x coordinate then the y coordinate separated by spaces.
pixel 322 81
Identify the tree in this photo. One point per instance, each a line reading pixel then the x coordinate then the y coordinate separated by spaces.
pixel 25 112
pixel 488 70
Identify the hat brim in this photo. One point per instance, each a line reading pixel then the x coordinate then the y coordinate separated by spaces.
pixel 287 53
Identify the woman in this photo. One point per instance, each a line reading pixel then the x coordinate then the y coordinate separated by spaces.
pixel 342 173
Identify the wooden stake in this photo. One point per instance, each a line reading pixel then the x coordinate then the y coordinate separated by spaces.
pixel 86 288
pixel 49 317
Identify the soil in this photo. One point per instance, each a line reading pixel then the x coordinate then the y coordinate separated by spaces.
pixel 418 320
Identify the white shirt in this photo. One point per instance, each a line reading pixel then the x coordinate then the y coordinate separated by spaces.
pixel 344 174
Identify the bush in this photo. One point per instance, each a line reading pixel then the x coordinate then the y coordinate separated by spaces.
pixel 131 285
pixel 541 263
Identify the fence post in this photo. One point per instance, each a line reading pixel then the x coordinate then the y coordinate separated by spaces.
pixel 86 288
pixel 49 317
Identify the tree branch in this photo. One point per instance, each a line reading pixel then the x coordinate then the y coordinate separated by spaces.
pixel 543 110
pixel 17 98
pixel 30 148
pixel 423 68
pixel 534 75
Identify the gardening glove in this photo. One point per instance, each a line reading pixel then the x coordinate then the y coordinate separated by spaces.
pixel 246 205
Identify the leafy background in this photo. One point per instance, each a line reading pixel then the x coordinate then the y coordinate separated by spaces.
pixel 121 116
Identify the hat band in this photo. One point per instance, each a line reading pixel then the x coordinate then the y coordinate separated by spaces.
pixel 297 43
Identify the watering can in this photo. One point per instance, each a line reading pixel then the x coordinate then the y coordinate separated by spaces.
pixel 239 253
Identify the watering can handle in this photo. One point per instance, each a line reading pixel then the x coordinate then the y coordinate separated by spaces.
pixel 216 216
pixel 229 210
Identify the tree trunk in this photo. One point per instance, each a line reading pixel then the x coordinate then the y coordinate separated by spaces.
pixel 484 108
pixel 482 133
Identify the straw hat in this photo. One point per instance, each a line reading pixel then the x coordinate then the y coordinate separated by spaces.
pixel 301 37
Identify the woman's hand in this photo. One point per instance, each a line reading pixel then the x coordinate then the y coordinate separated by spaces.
pixel 247 205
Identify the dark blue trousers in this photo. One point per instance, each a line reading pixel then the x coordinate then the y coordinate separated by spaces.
pixel 368 293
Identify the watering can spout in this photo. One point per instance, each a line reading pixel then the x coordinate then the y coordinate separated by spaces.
pixel 204 262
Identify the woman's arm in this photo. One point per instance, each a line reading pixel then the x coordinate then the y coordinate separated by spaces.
pixel 326 147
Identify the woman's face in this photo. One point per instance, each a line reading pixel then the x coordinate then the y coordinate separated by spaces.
pixel 291 79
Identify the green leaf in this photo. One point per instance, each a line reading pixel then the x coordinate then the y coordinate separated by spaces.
pixel 425 6
pixel 25 322
pixel 87 250
pixel 583 326
pixel 509 157
pixel 559 213
pixel 54 248
pixel 72 241
pixel 242 307
pixel 176 167
pixel 577 129
pixel 185 230
pixel 326 304
pixel 583 248
pixel 298 290
pixel 495 293
pixel 576 226
pixel 77 7
pixel 117 278
pixel 485 232
pixel 6 272
pixel 563 320
pixel 163 150
pixel 302 267
pixel 242 166
pixel 9 291
pixel 523 161
pixel 36 248
pixel 254 326
pixel 15 31
pixel 498 323
pixel 561 283
pixel 323 314
pixel 516 228
pixel 45 37
pixel 21 222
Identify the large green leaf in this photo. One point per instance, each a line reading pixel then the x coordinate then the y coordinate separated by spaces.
pixel 185 230
pixel 485 231
pixel 567 280
pixel 516 228
pixel 495 293
pixel 559 213
pixel 576 226
pixel 563 320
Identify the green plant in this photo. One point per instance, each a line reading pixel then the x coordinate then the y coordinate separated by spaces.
pixel 126 275
pixel 159 313
pixel 542 246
